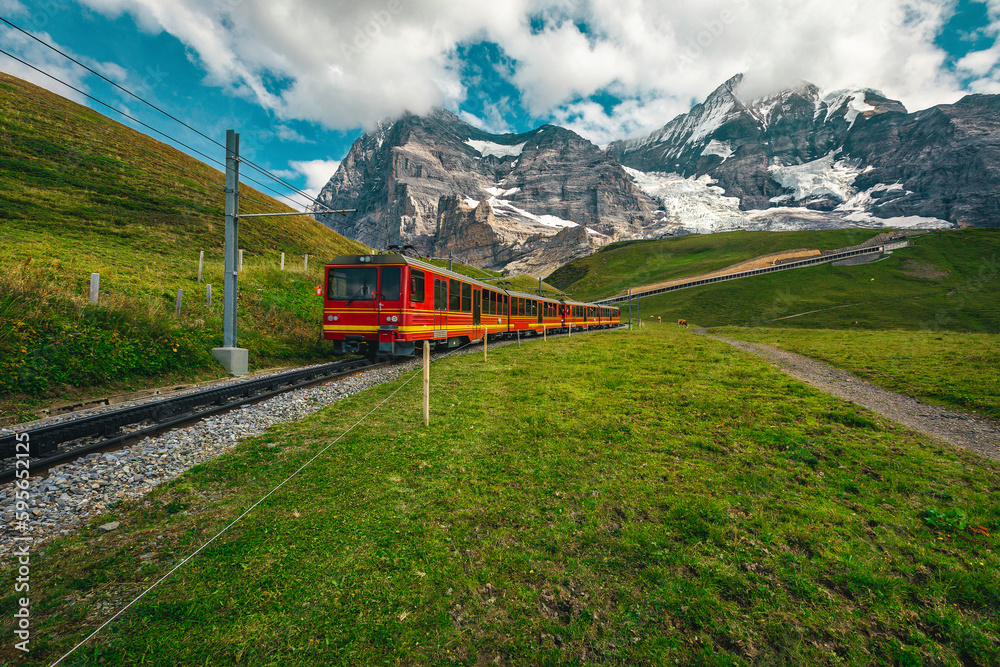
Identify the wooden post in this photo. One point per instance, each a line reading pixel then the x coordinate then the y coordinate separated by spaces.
pixel 201 263
pixel 282 261
pixel 486 334
pixel 427 383
pixel 180 299
pixel 208 294
pixel 239 268
pixel 519 339
pixel 95 286
pixel 305 264
pixel 545 332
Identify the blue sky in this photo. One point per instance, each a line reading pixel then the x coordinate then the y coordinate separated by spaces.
pixel 301 79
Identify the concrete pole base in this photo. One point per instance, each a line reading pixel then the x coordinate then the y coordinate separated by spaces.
pixel 234 359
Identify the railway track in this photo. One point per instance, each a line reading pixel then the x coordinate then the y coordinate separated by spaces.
pixel 53 444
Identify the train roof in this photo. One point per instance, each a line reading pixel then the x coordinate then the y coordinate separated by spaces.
pixel 395 258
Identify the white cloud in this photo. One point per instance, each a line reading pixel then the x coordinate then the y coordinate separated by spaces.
pixel 350 64
pixel 317 172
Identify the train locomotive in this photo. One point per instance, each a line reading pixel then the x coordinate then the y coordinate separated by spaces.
pixel 386 305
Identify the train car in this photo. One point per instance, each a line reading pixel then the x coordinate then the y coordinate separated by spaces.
pixel 387 304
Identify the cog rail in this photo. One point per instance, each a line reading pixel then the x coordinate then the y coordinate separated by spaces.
pixel 164 414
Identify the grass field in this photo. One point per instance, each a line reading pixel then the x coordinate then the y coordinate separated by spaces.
pixel 946 281
pixel 635 263
pixel 82 194
pixel 945 368
pixel 638 498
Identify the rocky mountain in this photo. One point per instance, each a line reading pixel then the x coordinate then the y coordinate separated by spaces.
pixel 528 202
pixel 800 158
pixel 855 155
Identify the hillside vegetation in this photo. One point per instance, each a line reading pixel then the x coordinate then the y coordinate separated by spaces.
pixel 625 498
pixel 80 193
pixel 620 266
pixel 946 281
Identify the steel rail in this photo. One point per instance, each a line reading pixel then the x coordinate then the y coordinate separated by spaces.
pixel 45 439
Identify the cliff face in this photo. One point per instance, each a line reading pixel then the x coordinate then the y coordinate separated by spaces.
pixel 443 186
pixel 853 154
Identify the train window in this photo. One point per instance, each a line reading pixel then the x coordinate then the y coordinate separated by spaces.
pixel 506 300
pixel 454 296
pixel 520 305
pixel 391 282
pixel 493 303
pixel 416 286
pixel 351 283
pixel 466 298
pixel 440 295
pixel 534 308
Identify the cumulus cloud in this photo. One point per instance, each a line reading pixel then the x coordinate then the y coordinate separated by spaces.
pixel 350 64
pixel 317 172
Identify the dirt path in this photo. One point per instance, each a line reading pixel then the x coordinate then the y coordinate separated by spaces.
pixel 977 434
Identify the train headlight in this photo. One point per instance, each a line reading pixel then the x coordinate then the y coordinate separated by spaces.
pixel 395 319
pixel 336 317
pixel 329 318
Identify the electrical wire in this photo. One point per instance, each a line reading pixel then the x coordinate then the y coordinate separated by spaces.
pixel 125 90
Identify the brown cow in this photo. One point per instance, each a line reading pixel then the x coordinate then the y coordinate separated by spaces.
pixel 682 323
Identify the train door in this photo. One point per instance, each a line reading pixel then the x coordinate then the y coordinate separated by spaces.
pixel 389 304
pixel 477 305
pixel 440 308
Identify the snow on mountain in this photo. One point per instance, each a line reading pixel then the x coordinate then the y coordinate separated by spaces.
pixel 854 99
pixel 485 148
pixel 720 148
pixel 825 176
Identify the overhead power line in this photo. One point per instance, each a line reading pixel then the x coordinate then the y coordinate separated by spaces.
pixel 125 90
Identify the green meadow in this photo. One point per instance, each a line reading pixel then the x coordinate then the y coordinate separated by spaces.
pixel 625 498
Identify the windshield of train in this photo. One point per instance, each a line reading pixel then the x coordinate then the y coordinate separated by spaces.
pixel 352 283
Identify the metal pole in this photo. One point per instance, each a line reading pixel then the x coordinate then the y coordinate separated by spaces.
pixel 539 285
pixel 630 308
pixel 201 263
pixel 427 383
pixel 638 318
pixel 180 298
pixel 449 260
pixel 95 286
pixel 208 294
pixel 229 286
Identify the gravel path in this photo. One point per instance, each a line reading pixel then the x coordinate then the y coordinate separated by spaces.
pixel 87 487
pixel 977 434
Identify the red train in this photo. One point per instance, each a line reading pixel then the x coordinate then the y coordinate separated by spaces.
pixel 387 304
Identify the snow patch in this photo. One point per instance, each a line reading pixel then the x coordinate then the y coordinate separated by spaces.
pixel 720 148
pixel 500 192
pixel 900 222
pixel 835 100
pixel 824 176
pixel 485 148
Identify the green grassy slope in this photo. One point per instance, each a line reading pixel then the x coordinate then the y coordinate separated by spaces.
pixel 653 498
pixel 945 281
pixel 632 264
pixel 80 193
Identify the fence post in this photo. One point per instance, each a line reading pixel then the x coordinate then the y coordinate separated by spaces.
pixel 427 383
pixel 180 298
pixel 519 339
pixel 95 286
pixel 208 294
pixel 201 263
pixel 486 335
pixel 282 261
pixel 239 268
pixel 305 264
